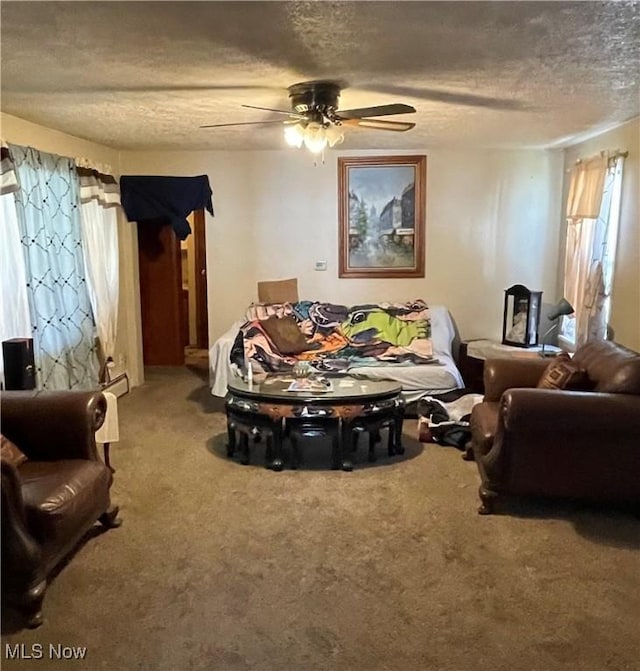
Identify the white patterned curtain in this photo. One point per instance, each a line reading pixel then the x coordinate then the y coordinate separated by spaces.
pixel 48 210
pixel 593 210
pixel 100 196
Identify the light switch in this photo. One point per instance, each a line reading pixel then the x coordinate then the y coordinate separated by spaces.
pixel 320 265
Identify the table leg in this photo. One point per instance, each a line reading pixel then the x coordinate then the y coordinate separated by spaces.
pixel 277 463
pixel 374 437
pixel 244 448
pixel 398 420
pixel 346 445
pixel 231 439
pixel 295 450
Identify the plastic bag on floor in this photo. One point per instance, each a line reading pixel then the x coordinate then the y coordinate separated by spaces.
pixel 446 423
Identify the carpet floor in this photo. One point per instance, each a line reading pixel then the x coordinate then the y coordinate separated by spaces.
pixel 219 566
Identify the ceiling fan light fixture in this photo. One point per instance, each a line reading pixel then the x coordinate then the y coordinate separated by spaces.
pixel 334 135
pixel 314 135
pixel 294 135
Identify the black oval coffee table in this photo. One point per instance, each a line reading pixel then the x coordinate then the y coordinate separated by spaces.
pixel 267 409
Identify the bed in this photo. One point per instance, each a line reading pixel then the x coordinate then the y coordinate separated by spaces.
pixel 432 373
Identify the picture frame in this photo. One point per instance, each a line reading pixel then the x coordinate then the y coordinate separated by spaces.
pixel 381 207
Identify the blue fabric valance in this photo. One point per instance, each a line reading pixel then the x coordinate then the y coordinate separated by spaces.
pixel 172 198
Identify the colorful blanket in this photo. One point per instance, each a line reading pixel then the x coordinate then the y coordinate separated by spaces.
pixel 340 337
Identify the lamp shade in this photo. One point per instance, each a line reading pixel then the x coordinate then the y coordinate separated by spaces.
pixel 561 309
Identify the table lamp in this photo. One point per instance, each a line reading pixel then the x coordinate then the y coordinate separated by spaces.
pixel 559 310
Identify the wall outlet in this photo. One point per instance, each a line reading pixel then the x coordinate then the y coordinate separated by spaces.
pixel 320 265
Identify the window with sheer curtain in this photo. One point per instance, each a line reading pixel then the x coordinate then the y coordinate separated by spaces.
pixel 593 214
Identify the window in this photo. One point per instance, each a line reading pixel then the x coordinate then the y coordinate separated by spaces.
pixel 593 215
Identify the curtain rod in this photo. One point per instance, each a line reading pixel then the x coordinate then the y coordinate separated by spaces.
pixel 81 161
pixel 610 155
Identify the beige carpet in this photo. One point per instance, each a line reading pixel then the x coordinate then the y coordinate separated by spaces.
pixel 220 566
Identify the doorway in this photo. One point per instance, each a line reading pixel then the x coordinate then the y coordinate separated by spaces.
pixel 173 293
pixel 194 294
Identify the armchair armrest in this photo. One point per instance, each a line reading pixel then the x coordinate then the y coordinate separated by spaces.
pixel 567 442
pixel 590 416
pixel 503 374
pixel 20 553
pixel 50 425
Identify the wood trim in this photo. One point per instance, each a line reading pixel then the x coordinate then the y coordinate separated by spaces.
pixel 200 254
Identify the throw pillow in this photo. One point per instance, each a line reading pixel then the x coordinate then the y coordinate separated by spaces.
pixel 285 334
pixel 562 373
pixel 11 452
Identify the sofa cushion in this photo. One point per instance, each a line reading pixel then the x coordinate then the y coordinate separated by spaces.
pixel 613 368
pixel 563 373
pixel 285 334
pixel 484 424
pixel 11 452
pixel 59 495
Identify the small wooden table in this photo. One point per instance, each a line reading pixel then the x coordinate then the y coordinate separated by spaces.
pixel 268 409
pixel 473 353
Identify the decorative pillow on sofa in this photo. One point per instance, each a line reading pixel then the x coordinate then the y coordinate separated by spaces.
pixel 285 334
pixel 562 373
pixel 11 452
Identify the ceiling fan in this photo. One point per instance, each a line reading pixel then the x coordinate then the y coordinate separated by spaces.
pixel 315 120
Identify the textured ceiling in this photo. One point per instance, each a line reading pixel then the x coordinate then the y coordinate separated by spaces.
pixel 146 75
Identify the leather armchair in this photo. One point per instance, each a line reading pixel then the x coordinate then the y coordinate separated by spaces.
pixel 559 443
pixel 52 499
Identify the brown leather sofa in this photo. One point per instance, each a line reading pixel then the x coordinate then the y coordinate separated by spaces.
pixel 53 498
pixel 559 443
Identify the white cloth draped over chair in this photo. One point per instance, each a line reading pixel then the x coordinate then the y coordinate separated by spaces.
pixel 109 432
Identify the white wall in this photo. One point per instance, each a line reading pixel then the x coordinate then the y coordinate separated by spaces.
pixel 25 133
pixel 493 220
pixel 625 293
pixel 129 341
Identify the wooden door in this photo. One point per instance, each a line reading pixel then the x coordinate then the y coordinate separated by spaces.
pixel 200 253
pixel 160 294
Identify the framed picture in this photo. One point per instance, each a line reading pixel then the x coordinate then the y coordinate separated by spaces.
pixel 381 209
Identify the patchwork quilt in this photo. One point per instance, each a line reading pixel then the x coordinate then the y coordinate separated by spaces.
pixel 339 337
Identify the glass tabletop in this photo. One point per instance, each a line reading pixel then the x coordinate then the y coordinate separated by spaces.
pixel 329 389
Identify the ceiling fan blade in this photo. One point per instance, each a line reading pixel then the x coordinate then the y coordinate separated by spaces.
pixel 269 109
pixel 242 123
pixel 379 110
pixel 380 124
pixel 452 97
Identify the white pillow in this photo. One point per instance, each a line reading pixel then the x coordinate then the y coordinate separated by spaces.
pixel 442 330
